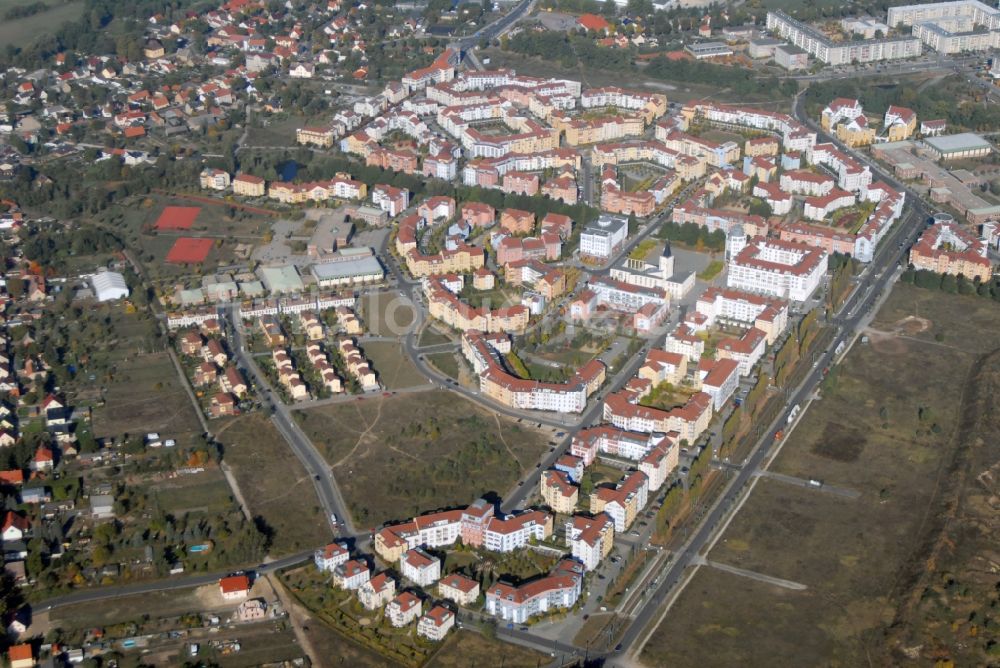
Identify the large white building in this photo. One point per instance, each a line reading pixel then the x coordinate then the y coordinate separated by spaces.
pixel 817 44
pixel 951 27
pixel 601 239
pixel 109 285
pixel 590 538
pixel 518 604
pixel 784 269
pixel 419 567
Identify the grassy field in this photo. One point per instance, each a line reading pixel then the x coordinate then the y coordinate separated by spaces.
pixel 386 313
pixel 466 649
pixel 431 336
pixel 284 498
pixel 125 609
pixel 881 429
pixel 146 395
pixel 446 363
pixel 395 371
pixel 22 32
pixel 198 493
pixel 419 451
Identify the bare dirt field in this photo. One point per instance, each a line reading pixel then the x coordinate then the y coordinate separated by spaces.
pixel 889 426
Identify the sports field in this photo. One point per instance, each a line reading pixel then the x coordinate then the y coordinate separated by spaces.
pixel 188 250
pixel 177 218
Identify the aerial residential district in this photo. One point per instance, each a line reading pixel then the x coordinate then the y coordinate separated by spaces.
pixel 535 333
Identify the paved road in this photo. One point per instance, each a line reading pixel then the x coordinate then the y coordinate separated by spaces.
pixel 182 582
pixel 313 462
pixel 874 281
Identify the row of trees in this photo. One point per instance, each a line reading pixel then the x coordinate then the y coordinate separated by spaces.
pixel 952 284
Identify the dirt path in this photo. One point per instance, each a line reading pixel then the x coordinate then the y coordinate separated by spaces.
pixel 361 436
pixel 298 617
pixel 504 441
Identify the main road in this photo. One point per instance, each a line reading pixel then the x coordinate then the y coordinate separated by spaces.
pixel 313 462
pixel 873 283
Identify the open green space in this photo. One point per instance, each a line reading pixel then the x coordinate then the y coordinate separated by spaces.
pixel 125 609
pixel 446 363
pixel 395 371
pixel 398 456
pixel 23 31
pixel 386 313
pixel 886 428
pixel 145 394
pixel 274 484
pixel 466 649
pixel 431 336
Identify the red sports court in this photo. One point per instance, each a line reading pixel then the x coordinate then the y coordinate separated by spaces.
pixel 188 250
pixel 177 217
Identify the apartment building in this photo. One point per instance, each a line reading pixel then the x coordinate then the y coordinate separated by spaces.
pixel 831 52
pixel 517 604
pixel 558 492
pixel 331 556
pixel 590 539
pixel 377 592
pixel 624 501
pixel 439 529
pixel 516 531
pixel 248 185
pixel 794 135
pixel 580 131
pixel 623 296
pixel 404 609
pixel 951 27
pixel 661 366
pixel 804 182
pixel 744 309
pixel 783 269
pixel 649 105
pixel 947 248
pixel 622 409
pixel 390 199
pixel 315 136
pixel 436 623
pixel 776 198
pixel 660 462
pixel 719 219
pixel 351 575
pixel 720 378
pixel 463 590
pixel 449 309
pixel 818 208
pixel 419 567
pixel 214 179
pixel 851 175
pixel 517 222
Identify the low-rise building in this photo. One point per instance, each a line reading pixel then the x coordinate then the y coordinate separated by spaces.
pixel 419 567
pixel 404 609
pixel 458 588
pixel 436 623
pixel 590 538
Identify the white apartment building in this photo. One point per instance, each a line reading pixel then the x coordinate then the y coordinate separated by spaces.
pixel 436 623
pixel 517 604
pixel 590 539
pixel 734 307
pixel 951 27
pixel 515 532
pixel 602 239
pixel 784 269
pixel 403 609
pixel 817 44
pixel 419 567
pixel 331 556
pixel 623 296
pixel 660 463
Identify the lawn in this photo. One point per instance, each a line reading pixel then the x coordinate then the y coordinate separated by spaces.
pixel 125 609
pixel 22 32
pixel 420 451
pixel 466 649
pixel 431 336
pixel 284 497
pixel 146 395
pixel 446 363
pixel 886 428
pixel 395 371
pixel 205 493
pixel 386 313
